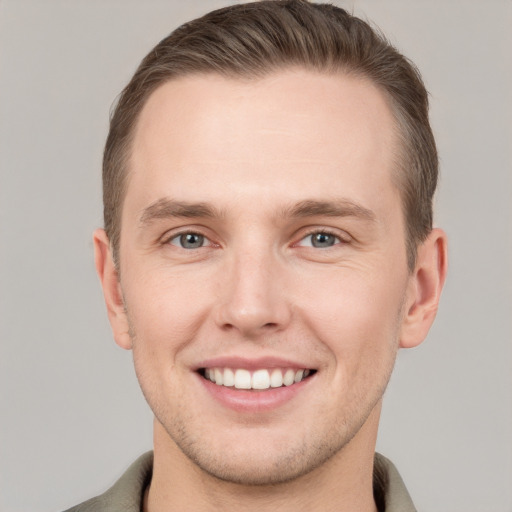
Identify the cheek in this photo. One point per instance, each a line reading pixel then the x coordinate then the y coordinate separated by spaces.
pixel 354 313
pixel 166 307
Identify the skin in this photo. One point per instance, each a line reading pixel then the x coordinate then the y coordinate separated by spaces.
pixel 256 152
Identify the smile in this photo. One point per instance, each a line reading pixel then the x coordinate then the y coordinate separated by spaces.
pixel 258 380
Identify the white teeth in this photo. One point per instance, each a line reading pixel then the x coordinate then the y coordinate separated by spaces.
pixel 259 379
pixel 276 378
pixel 243 379
pixel 219 376
pixel 289 378
pixel 229 377
pixel 298 376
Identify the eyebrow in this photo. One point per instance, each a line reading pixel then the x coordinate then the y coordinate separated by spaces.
pixel 335 208
pixel 166 208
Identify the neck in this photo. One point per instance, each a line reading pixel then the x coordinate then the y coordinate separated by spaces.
pixel 342 484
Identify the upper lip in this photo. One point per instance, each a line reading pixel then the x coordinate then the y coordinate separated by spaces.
pixel 251 364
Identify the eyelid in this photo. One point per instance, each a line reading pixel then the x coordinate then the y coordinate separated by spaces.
pixel 342 236
pixel 170 235
pixel 177 241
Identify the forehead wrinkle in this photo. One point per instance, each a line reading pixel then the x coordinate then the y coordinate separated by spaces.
pixel 165 208
pixel 331 208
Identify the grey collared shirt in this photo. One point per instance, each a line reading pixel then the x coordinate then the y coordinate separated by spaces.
pixel 127 493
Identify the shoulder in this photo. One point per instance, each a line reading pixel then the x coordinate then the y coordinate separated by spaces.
pixel 389 488
pixel 126 494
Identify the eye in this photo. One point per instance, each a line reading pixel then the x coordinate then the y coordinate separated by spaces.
pixel 189 241
pixel 320 240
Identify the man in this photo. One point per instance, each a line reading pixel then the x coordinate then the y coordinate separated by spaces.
pixel 268 247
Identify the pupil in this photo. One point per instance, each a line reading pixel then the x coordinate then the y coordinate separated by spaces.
pixel 191 241
pixel 322 240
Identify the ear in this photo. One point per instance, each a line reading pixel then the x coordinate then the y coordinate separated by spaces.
pixel 424 290
pixel 109 278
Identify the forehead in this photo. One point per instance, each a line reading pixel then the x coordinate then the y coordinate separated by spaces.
pixel 296 130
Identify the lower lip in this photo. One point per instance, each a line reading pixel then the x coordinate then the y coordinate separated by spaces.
pixel 254 401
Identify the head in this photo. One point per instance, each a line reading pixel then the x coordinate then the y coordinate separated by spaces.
pixel 268 183
pixel 252 41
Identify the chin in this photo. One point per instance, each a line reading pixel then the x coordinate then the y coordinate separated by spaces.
pixel 258 469
pixel 258 458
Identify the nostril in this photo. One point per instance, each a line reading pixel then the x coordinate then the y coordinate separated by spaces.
pixel 264 327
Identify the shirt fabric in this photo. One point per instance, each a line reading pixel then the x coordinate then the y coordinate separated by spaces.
pixel 127 493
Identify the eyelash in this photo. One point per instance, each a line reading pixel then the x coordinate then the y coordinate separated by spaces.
pixel 323 231
pixel 176 236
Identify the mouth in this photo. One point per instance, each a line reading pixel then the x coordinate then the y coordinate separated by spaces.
pixel 258 380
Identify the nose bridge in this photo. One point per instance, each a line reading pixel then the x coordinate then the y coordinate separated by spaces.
pixel 253 300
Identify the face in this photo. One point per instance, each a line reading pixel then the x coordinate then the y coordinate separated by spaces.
pixel 263 268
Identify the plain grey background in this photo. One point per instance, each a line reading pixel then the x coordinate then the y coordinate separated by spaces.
pixel 72 415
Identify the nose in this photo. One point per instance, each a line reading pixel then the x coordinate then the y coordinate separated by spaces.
pixel 253 299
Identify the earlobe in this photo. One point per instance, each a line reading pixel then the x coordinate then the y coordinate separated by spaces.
pixel 424 291
pixel 109 278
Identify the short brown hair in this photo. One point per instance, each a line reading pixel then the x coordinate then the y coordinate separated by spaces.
pixel 254 39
